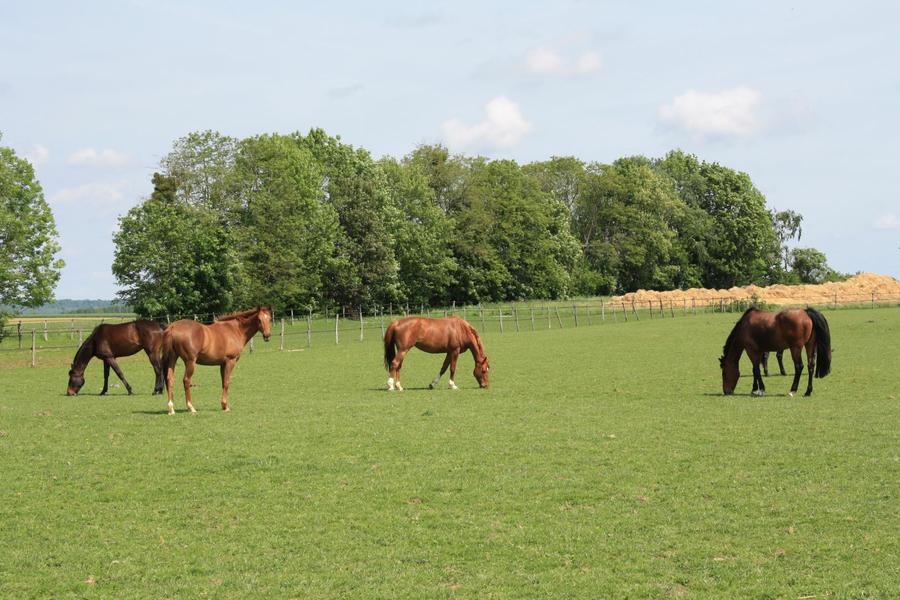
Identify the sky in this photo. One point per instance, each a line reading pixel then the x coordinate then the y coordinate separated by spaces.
pixel 802 96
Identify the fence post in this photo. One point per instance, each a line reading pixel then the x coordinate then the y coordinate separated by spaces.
pixel 602 310
pixel 79 337
pixel 500 312
pixel 72 330
pixel 45 331
pixel 650 306
pixel 625 312
pixel 282 334
pixel 549 325
pixel 873 299
pixel 292 317
pixel 558 320
pixel 588 310
pixel 575 313
pixel 33 344
pixel 337 337
pixel 671 310
pixel 532 317
pixel 19 330
pixel 381 321
pixel 361 325
pixel 309 328
pixel 636 315
pixel 516 313
pixel 481 309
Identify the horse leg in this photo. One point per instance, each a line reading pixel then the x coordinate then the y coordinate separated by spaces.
pixel 810 364
pixel 186 380
pixel 396 364
pixel 105 378
pixel 798 369
pixel 453 356
pixel 225 370
pixel 765 363
pixel 437 379
pixel 157 370
pixel 780 356
pixel 170 380
pixel 759 387
pixel 115 367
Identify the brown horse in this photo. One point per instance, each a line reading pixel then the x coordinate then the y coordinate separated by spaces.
pixel 449 334
pixel 217 344
pixel 107 342
pixel 759 331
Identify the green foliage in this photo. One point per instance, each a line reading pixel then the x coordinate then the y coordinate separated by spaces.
pixel 809 265
pixel 28 237
pixel 173 258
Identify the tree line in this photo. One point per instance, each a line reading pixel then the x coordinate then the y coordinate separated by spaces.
pixel 306 221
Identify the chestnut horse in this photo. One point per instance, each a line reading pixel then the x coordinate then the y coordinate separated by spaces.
pixel 217 344
pixel 759 331
pixel 449 334
pixel 107 342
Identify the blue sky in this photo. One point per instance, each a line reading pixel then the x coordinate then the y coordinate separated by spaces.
pixel 804 96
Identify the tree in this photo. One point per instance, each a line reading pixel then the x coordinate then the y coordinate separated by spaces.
pixel 626 219
pixel 172 258
pixel 427 267
pixel 739 240
pixel 285 235
pixel 355 187
pixel 28 237
pixel 562 177
pixel 810 266
pixel 787 227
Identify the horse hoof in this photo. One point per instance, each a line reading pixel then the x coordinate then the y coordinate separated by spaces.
pixel 758 393
pixel 791 394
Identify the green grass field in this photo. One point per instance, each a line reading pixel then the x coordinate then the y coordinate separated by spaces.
pixel 603 463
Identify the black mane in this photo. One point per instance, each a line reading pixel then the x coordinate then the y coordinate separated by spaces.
pixel 733 334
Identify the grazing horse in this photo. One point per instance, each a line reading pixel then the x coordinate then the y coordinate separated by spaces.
pixel 759 331
pixel 217 344
pixel 107 342
pixel 765 362
pixel 449 334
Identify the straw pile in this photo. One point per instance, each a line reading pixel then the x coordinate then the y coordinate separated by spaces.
pixel 857 289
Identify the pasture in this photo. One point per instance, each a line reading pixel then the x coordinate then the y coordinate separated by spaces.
pixel 603 462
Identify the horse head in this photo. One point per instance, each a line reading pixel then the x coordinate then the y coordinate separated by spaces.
pixel 264 320
pixel 76 381
pixel 730 375
pixel 482 371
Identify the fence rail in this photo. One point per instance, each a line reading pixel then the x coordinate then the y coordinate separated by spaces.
pixel 307 329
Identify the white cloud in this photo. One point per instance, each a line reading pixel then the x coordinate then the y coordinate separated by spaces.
pixel 503 126
pixel 37 155
pixel 550 61
pixel 729 113
pixel 887 221
pixel 104 158
pixel 90 195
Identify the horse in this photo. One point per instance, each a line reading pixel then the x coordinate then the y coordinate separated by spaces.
pixel 217 344
pixel 448 334
pixel 108 342
pixel 765 362
pixel 759 331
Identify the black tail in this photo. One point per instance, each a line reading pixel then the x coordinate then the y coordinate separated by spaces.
pixel 823 342
pixel 390 351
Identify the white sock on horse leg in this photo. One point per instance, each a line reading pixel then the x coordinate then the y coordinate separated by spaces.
pixel 452 385
pixel 435 381
pixel 391 384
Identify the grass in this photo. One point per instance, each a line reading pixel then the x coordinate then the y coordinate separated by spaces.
pixel 603 462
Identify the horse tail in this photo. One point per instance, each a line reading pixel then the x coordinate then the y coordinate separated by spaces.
pixel 390 349
pixel 823 342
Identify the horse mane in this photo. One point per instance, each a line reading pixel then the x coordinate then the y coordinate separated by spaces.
pixel 85 350
pixel 734 333
pixel 474 333
pixel 241 314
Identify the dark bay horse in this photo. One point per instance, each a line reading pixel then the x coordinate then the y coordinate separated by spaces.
pixel 108 342
pixel 449 334
pixel 760 331
pixel 217 344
